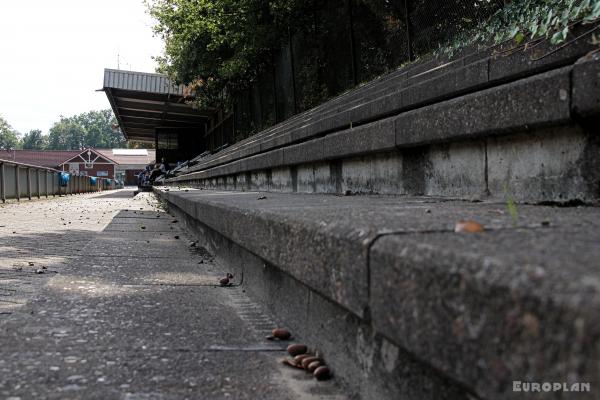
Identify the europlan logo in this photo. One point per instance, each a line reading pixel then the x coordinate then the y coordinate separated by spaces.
pixel 533 387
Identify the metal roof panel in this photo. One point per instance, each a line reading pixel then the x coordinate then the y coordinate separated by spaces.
pixel 140 81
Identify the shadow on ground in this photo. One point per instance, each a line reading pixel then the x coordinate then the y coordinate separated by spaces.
pixel 117 194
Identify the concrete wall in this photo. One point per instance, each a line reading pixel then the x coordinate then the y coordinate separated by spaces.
pixel 19 181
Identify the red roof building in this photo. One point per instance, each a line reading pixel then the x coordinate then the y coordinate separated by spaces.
pixel 42 158
pixel 121 164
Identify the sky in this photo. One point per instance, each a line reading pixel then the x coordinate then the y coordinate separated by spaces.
pixel 53 54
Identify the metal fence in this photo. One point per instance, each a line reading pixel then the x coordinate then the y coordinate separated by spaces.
pixel 340 44
pixel 22 181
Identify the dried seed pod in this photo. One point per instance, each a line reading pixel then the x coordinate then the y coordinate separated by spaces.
pixel 281 333
pixel 308 360
pixel 468 227
pixel 295 349
pixel 313 366
pixel 322 373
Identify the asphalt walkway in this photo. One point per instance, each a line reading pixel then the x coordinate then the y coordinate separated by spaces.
pixel 104 296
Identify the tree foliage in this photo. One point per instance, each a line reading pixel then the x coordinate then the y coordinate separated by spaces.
pixel 90 129
pixel 9 138
pixel 221 45
pixel 34 140
pixel 134 144
pixel 229 50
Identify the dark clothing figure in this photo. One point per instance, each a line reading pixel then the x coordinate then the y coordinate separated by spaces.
pixel 159 170
pixel 156 172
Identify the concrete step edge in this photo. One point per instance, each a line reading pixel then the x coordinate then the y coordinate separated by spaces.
pixel 463 304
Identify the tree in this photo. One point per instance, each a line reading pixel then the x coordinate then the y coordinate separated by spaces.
pixel 101 129
pixel 134 144
pixel 220 46
pixel 9 138
pixel 34 140
pixel 67 134
pixel 90 129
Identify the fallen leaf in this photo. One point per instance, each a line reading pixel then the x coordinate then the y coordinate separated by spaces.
pixel 468 227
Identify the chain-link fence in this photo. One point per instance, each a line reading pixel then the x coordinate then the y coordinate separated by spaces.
pixel 343 43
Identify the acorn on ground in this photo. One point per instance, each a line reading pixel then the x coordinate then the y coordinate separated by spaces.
pixel 227 280
pixel 279 334
pixel 305 362
pixel 298 359
pixel 296 349
pixel 313 366
pixel 322 373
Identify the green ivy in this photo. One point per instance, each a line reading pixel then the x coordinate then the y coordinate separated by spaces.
pixel 533 19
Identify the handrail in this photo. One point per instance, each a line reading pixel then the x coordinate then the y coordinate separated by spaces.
pixel 3 161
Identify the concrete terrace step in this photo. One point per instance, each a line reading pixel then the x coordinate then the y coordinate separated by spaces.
pixel 392 289
pixel 408 88
pixel 535 137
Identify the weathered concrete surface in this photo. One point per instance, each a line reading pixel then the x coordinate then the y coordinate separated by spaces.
pixel 367 364
pixel 557 164
pixel 520 301
pixel 539 100
pixel 515 304
pixel 323 240
pixel 535 121
pixel 125 310
pixel 414 86
pixel 551 164
pixel 586 86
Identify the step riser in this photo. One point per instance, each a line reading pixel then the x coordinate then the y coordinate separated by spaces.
pixel 552 164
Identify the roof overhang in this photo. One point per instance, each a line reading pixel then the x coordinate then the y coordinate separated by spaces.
pixel 144 102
